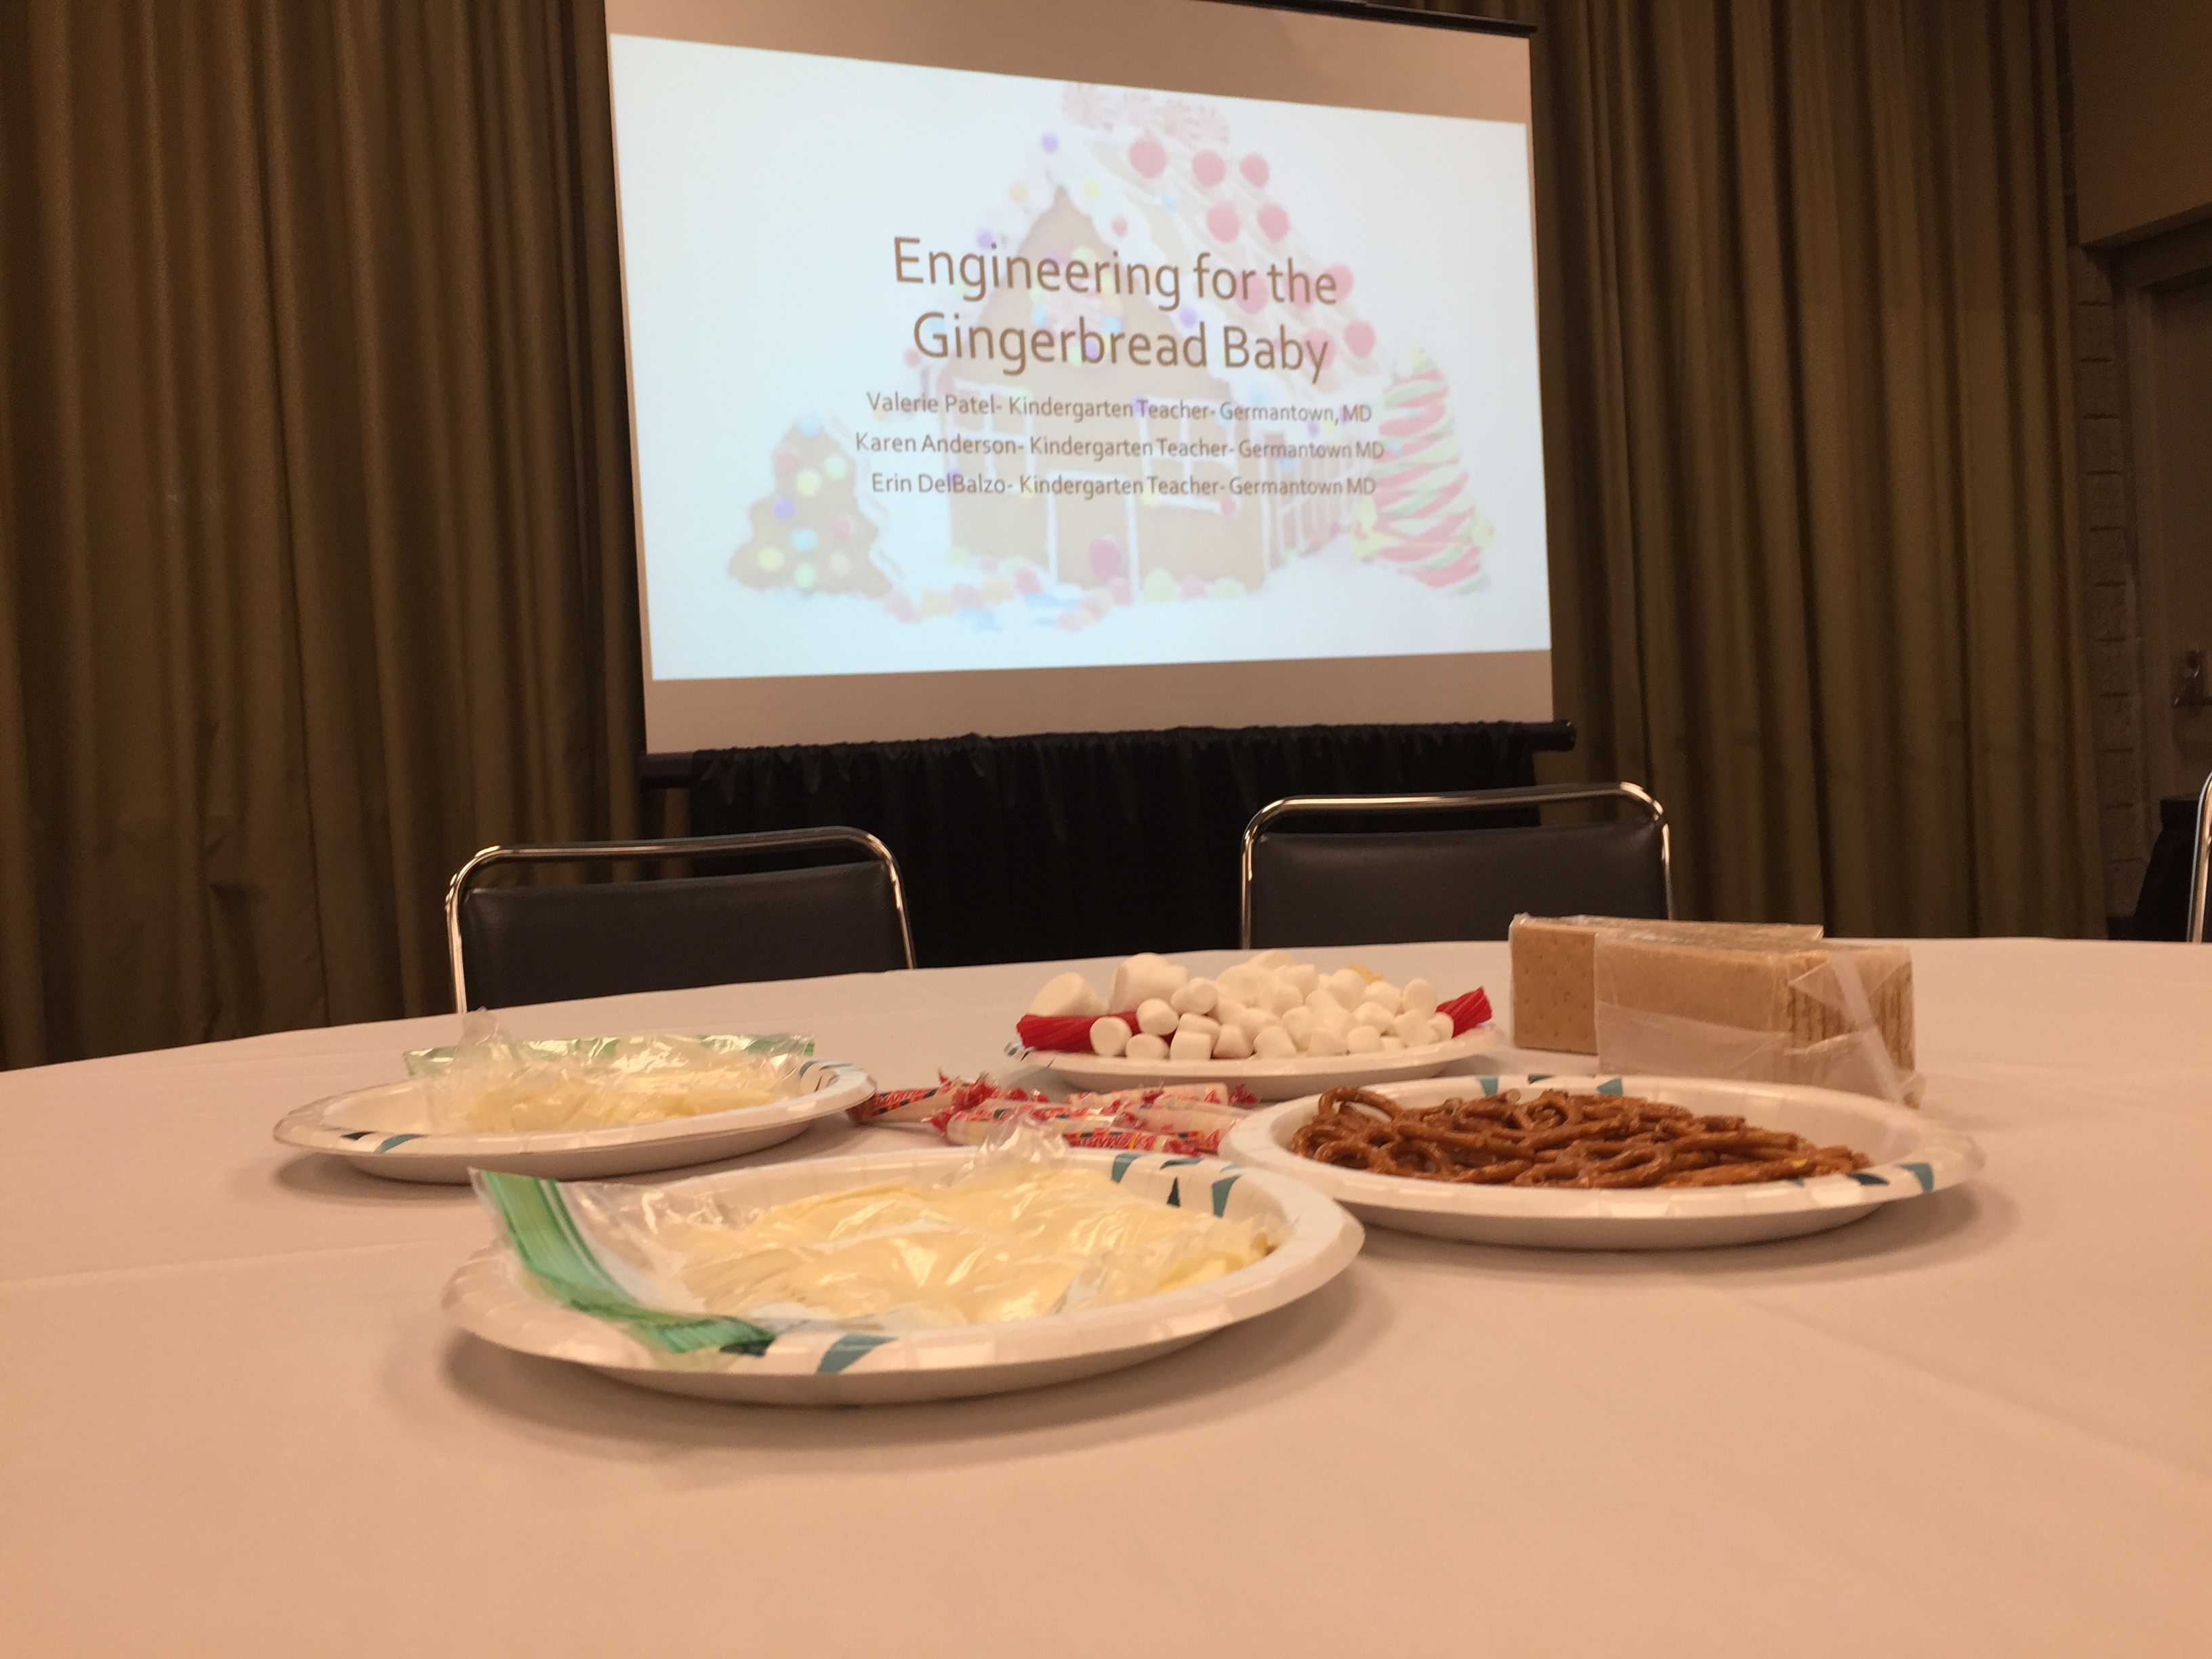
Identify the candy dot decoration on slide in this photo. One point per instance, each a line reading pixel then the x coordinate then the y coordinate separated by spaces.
pixel 1359 339
pixel 1253 166
pixel 1208 168
pixel 1274 223
pixel 1148 157
pixel 1221 219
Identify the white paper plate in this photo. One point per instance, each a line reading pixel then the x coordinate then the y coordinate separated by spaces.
pixel 1268 1080
pixel 493 1296
pixel 1911 1156
pixel 386 1131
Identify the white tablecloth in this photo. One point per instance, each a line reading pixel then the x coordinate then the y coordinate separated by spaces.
pixel 233 1420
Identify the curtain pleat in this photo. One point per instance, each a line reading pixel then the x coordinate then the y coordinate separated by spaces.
pixel 315 528
pixel 1807 439
pixel 317 499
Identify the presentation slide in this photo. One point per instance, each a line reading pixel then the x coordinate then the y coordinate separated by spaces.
pixel 1013 393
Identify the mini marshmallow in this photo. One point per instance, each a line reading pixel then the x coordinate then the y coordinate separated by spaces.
pixel 1155 1018
pixel 1229 1009
pixel 1109 1037
pixel 1392 1044
pixel 1283 996
pixel 1267 961
pixel 1147 1048
pixel 1144 977
pixel 1198 996
pixel 1362 1039
pixel 1413 1029
pixel 1235 1042
pixel 1067 994
pixel 1382 991
pixel 1303 975
pixel 1420 997
pixel 1275 1043
pixel 1244 982
pixel 1322 997
pixel 1326 1041
pixel 1440 1028
pixel 1191 1045
pixel 1199 1023
pixel 1252 1021
pixel 1348 986
pixel 1301 1025
pixel 1375 1014
pixel 1333 1018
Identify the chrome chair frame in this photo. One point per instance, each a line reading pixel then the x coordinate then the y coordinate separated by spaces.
pixel 2200 865
pixel 681 847
pixel 1480 800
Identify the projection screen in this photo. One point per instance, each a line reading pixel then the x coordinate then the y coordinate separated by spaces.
pixel 1001 366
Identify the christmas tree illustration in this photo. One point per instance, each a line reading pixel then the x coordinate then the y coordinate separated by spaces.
pixel 811 534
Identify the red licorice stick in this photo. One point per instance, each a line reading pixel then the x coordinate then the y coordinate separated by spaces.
pixel 1467 1011
pixel 1071 1032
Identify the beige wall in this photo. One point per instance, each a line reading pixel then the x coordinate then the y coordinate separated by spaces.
pixel 2143 114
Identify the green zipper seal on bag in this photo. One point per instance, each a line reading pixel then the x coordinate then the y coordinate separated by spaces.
pixel 544 1234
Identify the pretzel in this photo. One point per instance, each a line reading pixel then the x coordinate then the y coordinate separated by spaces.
pixel 1557 1139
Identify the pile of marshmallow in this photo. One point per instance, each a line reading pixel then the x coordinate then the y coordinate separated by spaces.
pixel 1270 1006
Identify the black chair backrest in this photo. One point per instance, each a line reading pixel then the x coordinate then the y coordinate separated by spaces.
pixel 1361 888
pixel 514 945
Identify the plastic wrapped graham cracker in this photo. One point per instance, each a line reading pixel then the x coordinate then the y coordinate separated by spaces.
pixel 1834 1016
pixel 1553 1006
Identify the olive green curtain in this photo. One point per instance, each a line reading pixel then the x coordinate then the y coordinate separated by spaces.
pixel 315 547
pixel 314 498
pixel 1808 446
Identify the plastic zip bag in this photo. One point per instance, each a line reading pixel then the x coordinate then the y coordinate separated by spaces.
pixel 1021 1229
pixel 1825 1015
pixel 491 1083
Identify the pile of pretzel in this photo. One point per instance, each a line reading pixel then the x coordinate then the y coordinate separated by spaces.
pixel 1557 1139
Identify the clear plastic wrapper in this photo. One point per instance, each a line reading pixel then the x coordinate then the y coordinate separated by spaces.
pixel 1020 1230
pixel 1821 1014
pixel 1553 969
pixel 490 1082
pixel 1188 1117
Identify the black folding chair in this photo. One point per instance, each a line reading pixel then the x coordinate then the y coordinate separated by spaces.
pixel 512 944
pixel 1362 887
